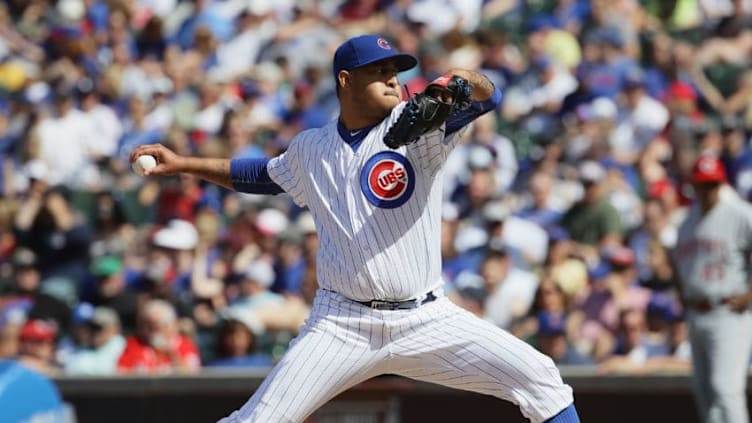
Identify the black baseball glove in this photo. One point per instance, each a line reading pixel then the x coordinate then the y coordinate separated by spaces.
pixel 428 110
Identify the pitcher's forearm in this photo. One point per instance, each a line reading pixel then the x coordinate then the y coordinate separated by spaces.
pixel 483 89
pixel 216 171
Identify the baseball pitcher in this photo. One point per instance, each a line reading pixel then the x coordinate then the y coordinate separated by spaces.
pixel 372 181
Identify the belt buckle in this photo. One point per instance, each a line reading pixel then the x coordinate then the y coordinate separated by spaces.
pixel 377 304
pixel 401 305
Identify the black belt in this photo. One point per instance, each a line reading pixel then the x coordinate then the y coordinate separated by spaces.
pixel 397 305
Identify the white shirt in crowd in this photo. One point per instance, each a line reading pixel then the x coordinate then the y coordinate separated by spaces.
pixel 512 297
pixel 107 130
pixel 525 242
pixel 240 53
pixel 640 125
pixel 467 155
pixel 65 145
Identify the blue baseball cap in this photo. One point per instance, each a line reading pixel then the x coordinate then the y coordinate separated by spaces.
pixel 83 312
pixel 551 323
pixel 634 78
pixel 367 49
pixel 664 306
pixel 600 271
pixel 542 21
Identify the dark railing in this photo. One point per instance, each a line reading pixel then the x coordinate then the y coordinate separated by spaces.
pixel 388 399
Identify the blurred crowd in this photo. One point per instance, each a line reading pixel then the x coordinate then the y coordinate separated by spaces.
pixel 561 207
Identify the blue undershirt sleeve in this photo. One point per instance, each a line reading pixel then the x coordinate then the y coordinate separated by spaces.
pixel 251 176
pixel 464 117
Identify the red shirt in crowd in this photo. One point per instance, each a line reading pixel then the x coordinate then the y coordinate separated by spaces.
pixel 139 357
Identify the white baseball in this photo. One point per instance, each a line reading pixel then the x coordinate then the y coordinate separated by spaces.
pixel 143 163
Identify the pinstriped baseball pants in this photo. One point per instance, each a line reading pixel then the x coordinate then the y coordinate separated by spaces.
pixel 344 343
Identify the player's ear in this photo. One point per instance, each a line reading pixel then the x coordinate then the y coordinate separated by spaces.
pixel 343 78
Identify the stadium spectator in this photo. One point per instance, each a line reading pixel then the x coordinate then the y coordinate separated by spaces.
pixel 453 262
pixel 296 255
pixel 67 141
pixel 594 315
pixel 594 130
pixel 665 322
pixel 550 299
pixel 501 149
pixel 206 298
pixel 480 186
pixel 100 357
pixel 623 284
pixel 469 292
pixel 80 332
pixel 58 234
pixel 37 342
pixel 634 347
pixel 510 290
pixel 27 296
pixel 102 120
pixel 544 208
pixel 135 129
pixel 254 287
pixel 290 263
pixel 569 271
pixel 592 222
pixel 551 339
pixel 524 241
pixel 613 289
pixel 158 347
pixel 735 155
pixel 273 310
pixel 651 243
pixel 238 343
pixel 110 290
pixel 644 117
pixel 170 260
pixel 112 231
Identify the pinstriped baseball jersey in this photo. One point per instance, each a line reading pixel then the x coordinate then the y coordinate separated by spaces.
pixel 712 251
pixel 376 209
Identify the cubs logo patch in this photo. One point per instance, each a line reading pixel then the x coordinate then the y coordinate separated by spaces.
pixel 387 180
pixel 383 44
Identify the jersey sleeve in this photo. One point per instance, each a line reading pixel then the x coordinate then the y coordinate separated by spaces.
pixel 286 170
pixel 252 176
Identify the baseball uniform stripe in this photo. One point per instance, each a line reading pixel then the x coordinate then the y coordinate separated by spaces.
pixel 316 365
pixel 509 367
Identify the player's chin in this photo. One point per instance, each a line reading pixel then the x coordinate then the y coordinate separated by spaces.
pixel 391 100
